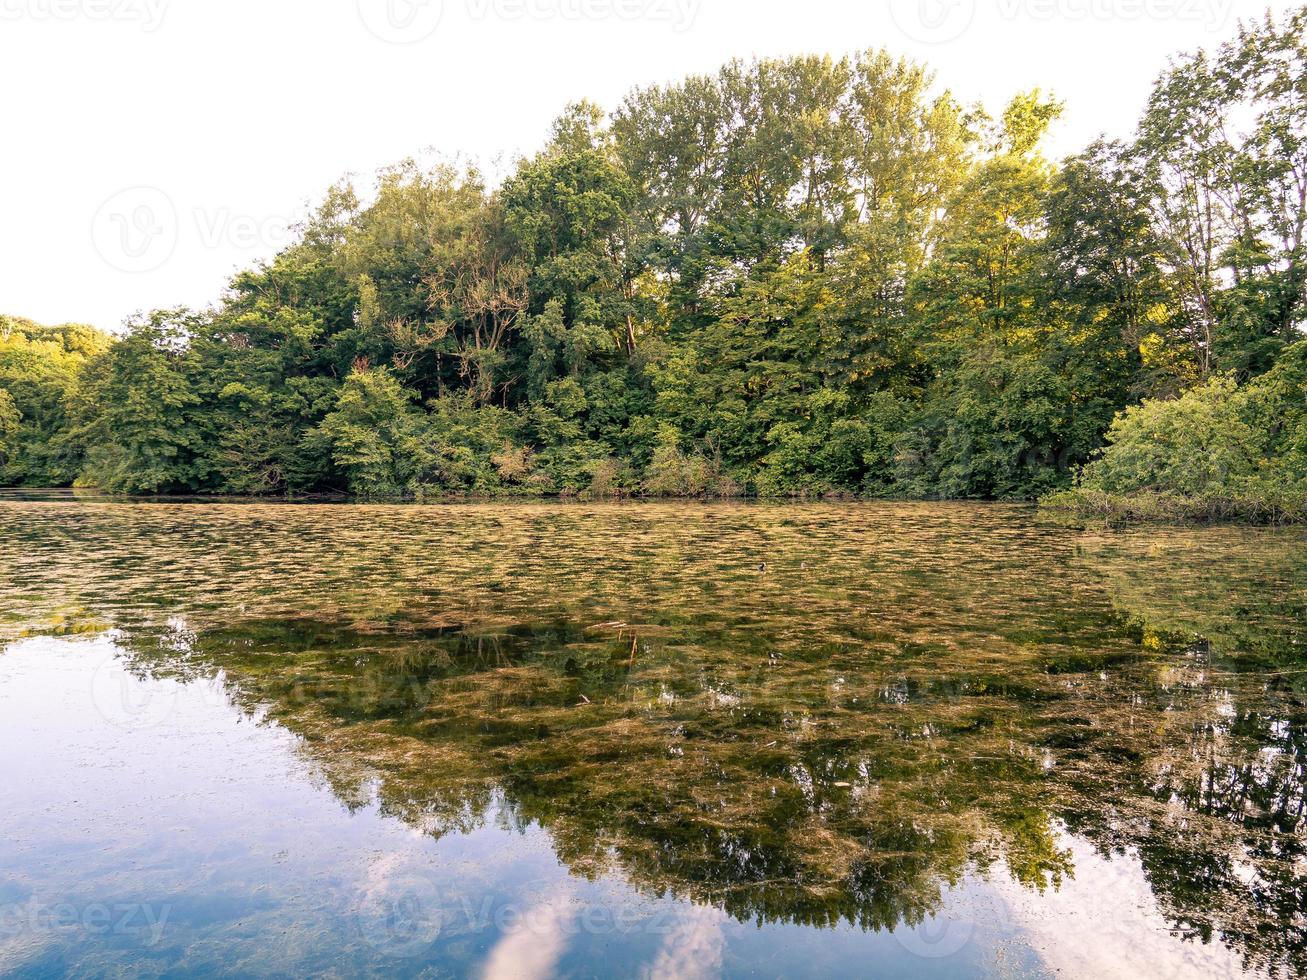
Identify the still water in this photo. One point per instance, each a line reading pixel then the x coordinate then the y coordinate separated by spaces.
pixel 647 740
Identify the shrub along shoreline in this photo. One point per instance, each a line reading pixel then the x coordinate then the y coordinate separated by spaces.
pixel 1220 452
pixel 1162 508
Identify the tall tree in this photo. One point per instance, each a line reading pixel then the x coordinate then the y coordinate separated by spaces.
pixel 135 411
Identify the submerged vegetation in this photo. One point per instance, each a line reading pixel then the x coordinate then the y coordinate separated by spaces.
pixel 796 277
pixel 906 695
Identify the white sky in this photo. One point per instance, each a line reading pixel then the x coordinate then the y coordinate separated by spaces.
pixel 152 147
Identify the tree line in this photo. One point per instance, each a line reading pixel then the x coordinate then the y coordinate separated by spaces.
pixel 799 277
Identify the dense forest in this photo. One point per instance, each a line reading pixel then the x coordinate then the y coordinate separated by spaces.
pixel 806 276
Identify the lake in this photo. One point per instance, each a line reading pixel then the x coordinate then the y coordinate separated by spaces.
pixel 662 740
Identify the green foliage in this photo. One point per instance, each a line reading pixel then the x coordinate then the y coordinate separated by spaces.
pixel 675 473
pixel 1219 437
pixel 1220 445
pixel 135 412
pixel 10 419
pixel 1223 147
pixel 385 445
pixel 40 370
pixel 795 277
pixel 376 435
pixel 1191 445
pixel 997 425
pixel 1278 506
pixel 478 450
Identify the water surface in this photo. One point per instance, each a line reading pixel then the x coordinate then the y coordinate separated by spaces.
pixel 661 740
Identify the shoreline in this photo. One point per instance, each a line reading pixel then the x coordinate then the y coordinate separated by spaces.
pixel 1074 507
pixel 1284 510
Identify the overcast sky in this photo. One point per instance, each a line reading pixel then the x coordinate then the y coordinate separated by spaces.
pixel 153 147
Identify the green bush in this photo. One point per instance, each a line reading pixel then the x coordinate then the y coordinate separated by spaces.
pixel 1220 451
pixel 1195 444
